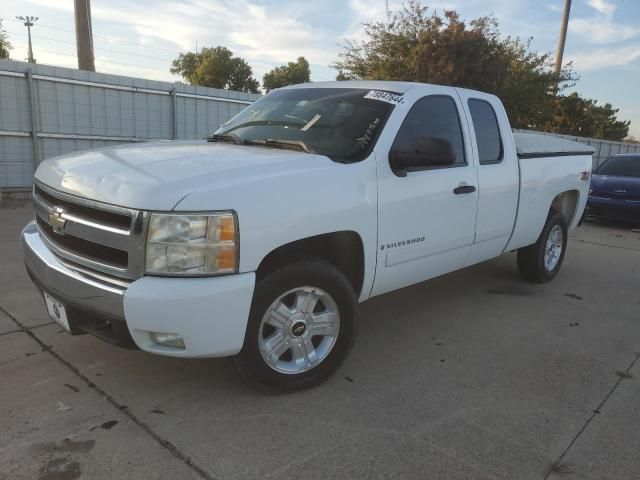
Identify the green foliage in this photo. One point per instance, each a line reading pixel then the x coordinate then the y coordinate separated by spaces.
pixel 5 45
pixel 289 74
pixel 584 117
pixel 216 68
pixel 418 46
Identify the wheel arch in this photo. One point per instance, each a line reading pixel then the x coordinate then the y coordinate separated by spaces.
pixel 342 249
pixel 567 204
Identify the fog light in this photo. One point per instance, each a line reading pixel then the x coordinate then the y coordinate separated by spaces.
pixel 172 340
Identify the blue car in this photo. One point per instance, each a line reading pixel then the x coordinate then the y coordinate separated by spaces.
pixel 615 189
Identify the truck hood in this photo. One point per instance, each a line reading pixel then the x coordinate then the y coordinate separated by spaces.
pixel 157 175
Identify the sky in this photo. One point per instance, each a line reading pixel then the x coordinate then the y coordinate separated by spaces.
pixel 140 38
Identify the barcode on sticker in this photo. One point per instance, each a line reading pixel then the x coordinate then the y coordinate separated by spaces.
pixel 393 98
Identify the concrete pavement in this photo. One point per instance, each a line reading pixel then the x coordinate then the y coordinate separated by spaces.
pixel 474 375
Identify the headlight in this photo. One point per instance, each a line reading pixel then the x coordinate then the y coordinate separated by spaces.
pixel 192 244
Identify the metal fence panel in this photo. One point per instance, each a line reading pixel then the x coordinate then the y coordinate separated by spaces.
pixel 77 110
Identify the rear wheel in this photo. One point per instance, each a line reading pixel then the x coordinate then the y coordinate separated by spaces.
pixel 302 324
pixel 541 261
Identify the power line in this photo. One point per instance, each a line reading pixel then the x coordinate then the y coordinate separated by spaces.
pixel 38 37
pixel 108 37
pixel 103 61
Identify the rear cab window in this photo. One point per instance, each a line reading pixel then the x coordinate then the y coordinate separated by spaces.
pixel 487 130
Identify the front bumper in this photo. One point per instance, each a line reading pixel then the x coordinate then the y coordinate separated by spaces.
pixel 209 314
pixel 614 209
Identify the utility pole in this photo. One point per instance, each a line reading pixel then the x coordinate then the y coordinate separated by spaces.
pixel 28 22
pixel 84 35
pixel 563 37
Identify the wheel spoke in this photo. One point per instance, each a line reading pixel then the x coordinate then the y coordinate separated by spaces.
pixel 278 316
pixel 325 324
pixel 275 346
pixel 306 301
pixel 304 353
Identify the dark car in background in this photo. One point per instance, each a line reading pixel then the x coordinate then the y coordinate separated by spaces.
pixel 615 189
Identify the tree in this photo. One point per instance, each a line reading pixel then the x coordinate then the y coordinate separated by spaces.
pixel 5 45
pixel 418 46
pixel 289 74
pixel 216 68
pixel 413 45
pixel 575 115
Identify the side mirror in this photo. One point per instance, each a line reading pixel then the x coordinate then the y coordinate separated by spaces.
pixel 422 154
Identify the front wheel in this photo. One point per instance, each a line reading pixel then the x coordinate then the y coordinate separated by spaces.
pixel 302 324
pixel 541 261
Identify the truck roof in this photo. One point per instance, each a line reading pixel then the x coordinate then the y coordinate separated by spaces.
pixel 387 85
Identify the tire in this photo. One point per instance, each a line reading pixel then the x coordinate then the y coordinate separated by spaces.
pixel 537 263
pixel 282 323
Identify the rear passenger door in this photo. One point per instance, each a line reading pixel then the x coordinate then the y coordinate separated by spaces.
pixel 498 176
pixel 426 216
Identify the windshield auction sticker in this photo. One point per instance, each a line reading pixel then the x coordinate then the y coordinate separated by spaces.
pixel 389 97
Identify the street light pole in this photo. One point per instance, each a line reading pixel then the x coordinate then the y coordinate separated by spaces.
pixel 563 37
pixel 28 22
pixel 84 35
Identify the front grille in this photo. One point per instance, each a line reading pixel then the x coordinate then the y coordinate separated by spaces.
pixel 112 219
pixel 87 249
pixel 100 237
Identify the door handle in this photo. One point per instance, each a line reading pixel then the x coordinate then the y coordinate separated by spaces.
pixel 464 189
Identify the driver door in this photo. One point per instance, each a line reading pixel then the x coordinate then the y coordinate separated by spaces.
pixel 426 218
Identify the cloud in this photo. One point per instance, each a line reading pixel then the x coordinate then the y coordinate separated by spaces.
pixel 255 32
pixel 602 32
pixel 603 7
pixel 603 58
pixel 601 28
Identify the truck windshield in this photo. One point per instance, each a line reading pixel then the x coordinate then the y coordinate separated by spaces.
pixel 341 123
pixel 621 166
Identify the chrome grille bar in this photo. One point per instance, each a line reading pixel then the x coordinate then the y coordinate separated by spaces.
pixel 97 236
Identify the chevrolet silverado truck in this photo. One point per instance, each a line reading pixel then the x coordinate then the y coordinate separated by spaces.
pixel 259 242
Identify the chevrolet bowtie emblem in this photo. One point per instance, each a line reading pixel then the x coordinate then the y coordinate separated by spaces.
pixel 56 221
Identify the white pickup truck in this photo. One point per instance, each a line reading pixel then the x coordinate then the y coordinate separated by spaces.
pixel 259 243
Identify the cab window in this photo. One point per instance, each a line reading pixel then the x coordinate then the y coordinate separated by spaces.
pixel 485 124
pixel 432 128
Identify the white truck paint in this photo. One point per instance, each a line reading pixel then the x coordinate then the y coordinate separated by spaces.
pixel 411 228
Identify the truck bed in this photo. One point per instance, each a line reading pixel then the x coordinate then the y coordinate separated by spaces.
pixel 558 166
pixel 535 145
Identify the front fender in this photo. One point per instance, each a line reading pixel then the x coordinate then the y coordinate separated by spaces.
pixel 281 209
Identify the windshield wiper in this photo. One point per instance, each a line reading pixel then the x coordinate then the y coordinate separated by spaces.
pixel 269 123
pixel 288 144
pixel 225 137
pixel 267 142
